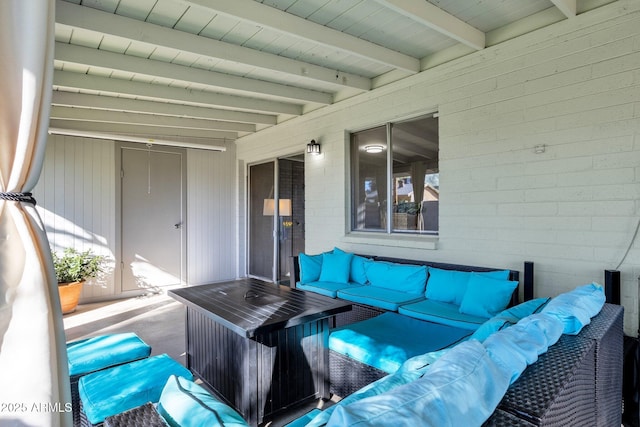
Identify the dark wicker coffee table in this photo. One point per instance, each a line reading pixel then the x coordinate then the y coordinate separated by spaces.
pixel 260 347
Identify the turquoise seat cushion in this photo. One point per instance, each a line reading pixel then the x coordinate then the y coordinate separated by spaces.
pixel 329 289
pixel 462 388
pixel 509 317
pixel 380 386
pixel 184 403
pixel 336 267
pixel 485 296
pixel 407 278
pixel 524 309
pixel 576 308
pixel 442 312
pixel 386 299
pixel 388 340
pixel 451 285
pixel 96 353
pixel 518 346
pixel 118 389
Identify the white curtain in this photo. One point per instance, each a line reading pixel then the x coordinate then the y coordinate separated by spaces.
pixel 34 386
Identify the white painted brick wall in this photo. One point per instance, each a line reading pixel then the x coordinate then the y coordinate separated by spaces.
pixel 574 87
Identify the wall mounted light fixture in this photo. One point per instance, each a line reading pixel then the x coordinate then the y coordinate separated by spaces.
pixel 374 149
pixel 313 147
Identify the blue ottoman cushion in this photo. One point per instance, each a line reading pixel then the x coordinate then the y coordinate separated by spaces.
pixel 115 390
pixel 94 354
pixel 388 340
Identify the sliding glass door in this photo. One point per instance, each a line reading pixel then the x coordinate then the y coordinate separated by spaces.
pixel 276 217
pixel 261 192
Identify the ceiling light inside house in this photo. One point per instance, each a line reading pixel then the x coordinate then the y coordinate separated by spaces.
pixel 374 149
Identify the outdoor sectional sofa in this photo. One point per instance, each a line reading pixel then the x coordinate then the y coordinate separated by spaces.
pixel 559 366
pixel 397 305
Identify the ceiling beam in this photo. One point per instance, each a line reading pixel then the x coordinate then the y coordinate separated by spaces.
pixel 567 7
pixel 201 145
pixel 75 16
pixel 147 67
pixel 90 115
pixel 83 82
pixel 439 20
pixel 69 99
pixel 282 22
pixel 129 129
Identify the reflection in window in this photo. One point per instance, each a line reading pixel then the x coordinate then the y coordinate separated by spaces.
pixel 400 159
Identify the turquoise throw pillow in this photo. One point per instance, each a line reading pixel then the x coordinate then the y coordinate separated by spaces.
pixel 446 285
pixel 336 267
pixel 310 267
pixel 451 285
pixel 576 308
pixel 184 403
pixel 357 274
pixel 522 310
pixel 509 317
pixel 397 277
pixel 486 296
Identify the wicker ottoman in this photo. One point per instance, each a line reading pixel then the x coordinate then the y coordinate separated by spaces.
pixel 142 416
pixel 98 353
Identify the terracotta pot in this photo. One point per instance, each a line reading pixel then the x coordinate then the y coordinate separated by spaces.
pixel 69 296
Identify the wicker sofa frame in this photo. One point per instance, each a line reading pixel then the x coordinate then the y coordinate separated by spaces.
pixel 578 382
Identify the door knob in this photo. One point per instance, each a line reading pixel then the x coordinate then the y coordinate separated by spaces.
pixel 178 225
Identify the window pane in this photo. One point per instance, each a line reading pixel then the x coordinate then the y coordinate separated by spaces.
pixel 369 179
pixel 415 184
pixel 405 199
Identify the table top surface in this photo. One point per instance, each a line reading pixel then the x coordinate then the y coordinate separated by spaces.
pixel 251 307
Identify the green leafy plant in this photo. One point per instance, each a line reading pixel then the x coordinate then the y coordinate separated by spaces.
pixel 407 207
pixel 76 266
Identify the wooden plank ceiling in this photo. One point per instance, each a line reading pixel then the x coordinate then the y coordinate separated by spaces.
pixel 212 71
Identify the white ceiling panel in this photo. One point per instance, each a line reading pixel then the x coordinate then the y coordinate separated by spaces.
pixel 234 67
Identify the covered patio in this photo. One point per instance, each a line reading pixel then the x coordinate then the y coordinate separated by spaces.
pixel 195 142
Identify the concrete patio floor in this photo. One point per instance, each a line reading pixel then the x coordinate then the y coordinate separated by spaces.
pixel 158 320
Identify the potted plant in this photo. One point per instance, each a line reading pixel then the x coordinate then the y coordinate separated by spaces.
pixel 73 268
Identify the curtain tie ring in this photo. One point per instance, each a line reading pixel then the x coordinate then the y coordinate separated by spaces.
pixel 18 197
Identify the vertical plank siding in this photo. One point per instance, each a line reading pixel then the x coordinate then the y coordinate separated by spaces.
pixel 211 215
pixel 76 201
pixel 76 197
